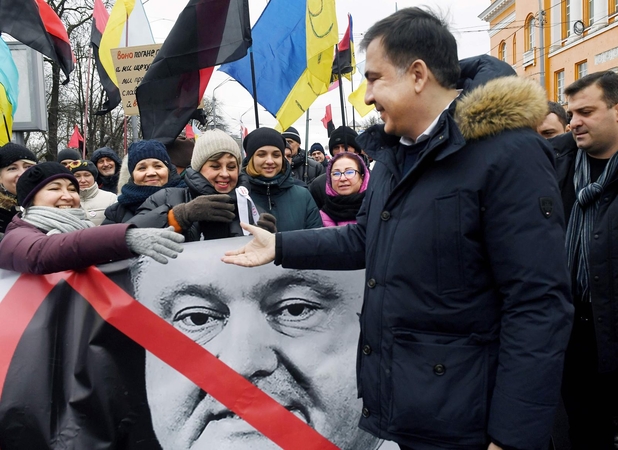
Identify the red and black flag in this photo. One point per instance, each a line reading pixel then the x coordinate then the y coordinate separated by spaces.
pixel 99 22
pixel 35 24
pixel 77 140
pixel 345 62
pixel 327 120
pixel 207 33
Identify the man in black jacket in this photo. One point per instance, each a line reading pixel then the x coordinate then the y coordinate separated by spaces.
pixel 304 169
pixel 467 310
pixel 588 172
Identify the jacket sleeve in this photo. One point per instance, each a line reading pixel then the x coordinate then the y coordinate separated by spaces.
pixel 27 249
pixel 524 238
pixel 153 212
pixel 313 218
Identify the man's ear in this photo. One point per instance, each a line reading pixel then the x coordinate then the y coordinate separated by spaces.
pixel 419 72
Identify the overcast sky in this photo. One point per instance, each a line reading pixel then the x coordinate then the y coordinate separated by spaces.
pixel 236 104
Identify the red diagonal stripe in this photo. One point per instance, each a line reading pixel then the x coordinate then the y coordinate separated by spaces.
pixel 16 311
pixel 196 363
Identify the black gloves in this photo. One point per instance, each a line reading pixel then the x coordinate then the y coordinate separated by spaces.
pixel 268 222
pixel 205 208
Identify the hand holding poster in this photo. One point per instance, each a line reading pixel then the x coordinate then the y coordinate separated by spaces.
pixel 236 358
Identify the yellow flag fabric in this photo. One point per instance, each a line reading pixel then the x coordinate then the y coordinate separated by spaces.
pixel 357 99
pixel 322 35
pixel 6 117
pixel 115 35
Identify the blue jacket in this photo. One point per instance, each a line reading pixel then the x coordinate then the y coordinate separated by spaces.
pixel 467 308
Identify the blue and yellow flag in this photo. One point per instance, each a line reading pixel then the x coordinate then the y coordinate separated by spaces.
pixel 9 92
pixel 293 46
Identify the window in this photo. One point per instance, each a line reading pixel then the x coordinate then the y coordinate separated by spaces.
pixel 502 51
pixel 559 86
pixel 566 23
pixel 515 49
pixel 589 12
pixel 613 7
pixel 581 69
pixel 529 44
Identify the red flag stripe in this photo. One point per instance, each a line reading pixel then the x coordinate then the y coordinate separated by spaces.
pixel 196 363
pixel 16 311
pixel 344 44
pixel 51 21
pixel 100 16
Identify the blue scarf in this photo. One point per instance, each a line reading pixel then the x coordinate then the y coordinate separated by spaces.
pixel 133 196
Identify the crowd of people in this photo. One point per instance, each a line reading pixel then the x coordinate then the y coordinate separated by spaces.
pixel 489 250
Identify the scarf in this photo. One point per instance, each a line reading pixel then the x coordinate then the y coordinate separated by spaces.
pixel 56 220
pixel 133 195
pixel 581 222
pixel 343 208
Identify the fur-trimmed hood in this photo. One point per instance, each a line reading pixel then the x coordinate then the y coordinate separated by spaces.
pixel 501 104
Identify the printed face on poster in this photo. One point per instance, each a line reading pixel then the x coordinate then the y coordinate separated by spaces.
pixel 293 334
pixel 131 64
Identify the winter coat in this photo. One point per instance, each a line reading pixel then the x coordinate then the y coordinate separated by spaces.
pixel 95 201
pixel 467 307
pixel 27 249
pixel 8 209
pixel 291 204
pixel 154 211
pixel 313 168
pixel 602 253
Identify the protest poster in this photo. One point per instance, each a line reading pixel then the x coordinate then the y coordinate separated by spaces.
pixel 194 354
pixel 131 64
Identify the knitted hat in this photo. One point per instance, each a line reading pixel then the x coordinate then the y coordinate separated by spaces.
pixel 106 152
pixel 261 137
pixel 291 133
pixel 211 143
pixel 343 135
pixel 10 153
pixel 147 149
pixel 83 165
pixel 36 177
pixel 317 147
pixel 68 153
pixel 180 151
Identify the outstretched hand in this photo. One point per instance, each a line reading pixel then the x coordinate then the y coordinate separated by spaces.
pixel 261 249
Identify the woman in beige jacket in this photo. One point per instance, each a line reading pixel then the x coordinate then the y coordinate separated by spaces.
pixel 93 200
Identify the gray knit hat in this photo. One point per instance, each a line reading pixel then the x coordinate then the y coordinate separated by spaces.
pixel 211 143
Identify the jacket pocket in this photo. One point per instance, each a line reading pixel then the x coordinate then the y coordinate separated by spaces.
pixel 448 244
pixel 439 389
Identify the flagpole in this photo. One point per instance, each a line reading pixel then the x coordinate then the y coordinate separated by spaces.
pixel 343 122
pixel 254 85
pixel 88 84
pixel 353 112
pixel 306 171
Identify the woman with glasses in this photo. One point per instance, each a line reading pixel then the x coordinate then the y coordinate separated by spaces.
pixel 272 187
pixel 346 181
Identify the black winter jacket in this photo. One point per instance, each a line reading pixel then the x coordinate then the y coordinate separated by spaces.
pixel 312 169
pixel 467 307
pixel 603 253
pixel 153 212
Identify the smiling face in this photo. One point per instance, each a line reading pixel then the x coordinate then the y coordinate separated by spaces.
pixel 391 90
pixel 106 166
pixel 291 333
pixel 60 193
pixel 10 174
pixel 150 172
pixel 594 125
pixel 268 161
pixel 222 173
pixel 349 183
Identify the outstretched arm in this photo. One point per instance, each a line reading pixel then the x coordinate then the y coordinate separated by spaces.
pixel 261 249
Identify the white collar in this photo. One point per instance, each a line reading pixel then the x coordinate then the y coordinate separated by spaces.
pixel 425 134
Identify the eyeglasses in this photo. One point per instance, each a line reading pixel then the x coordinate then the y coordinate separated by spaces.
pixel 348 174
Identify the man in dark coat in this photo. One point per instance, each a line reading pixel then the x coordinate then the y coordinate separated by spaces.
pixel 303 168
pixel 108 164
pixel 467 309
pixel 587 167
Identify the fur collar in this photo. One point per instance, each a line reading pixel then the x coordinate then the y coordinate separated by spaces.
pixel 501 104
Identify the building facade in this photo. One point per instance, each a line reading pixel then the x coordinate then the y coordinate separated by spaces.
pixel 575 37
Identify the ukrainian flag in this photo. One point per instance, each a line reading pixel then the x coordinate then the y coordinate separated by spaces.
pixel 9 91
pixel 293 47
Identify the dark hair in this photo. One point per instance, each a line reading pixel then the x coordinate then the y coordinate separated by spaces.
pixel 607 81
pixel 559 111
pixel 415 33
